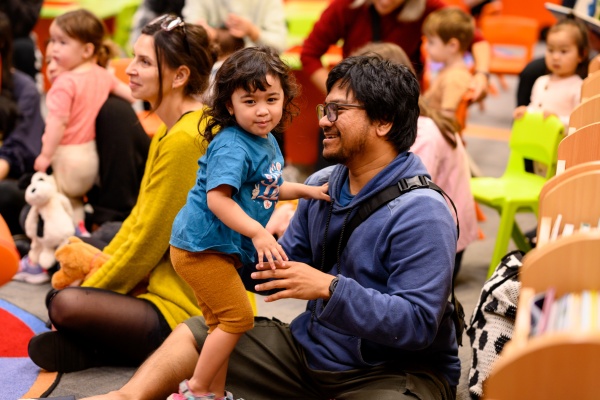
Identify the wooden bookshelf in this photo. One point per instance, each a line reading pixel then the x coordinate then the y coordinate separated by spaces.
pixel 558 363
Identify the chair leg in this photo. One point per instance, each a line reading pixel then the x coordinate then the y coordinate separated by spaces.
pixel 505 227
pixel 519 238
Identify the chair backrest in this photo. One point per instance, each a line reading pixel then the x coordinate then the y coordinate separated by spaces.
pixel 575 198
pixel 585 113
pixel 458 3
pixel 532 9
pixel 590 87
pixel 535 138
pixel 511 30
pixel 581 146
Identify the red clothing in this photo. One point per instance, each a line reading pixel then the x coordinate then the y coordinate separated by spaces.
pixel 353 25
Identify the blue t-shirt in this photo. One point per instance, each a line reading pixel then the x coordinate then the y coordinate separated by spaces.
pixel 252 166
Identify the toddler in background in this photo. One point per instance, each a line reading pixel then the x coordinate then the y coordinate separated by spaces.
pixel 77 45
pixel 559 92
pixel 449 32
pixel 222 225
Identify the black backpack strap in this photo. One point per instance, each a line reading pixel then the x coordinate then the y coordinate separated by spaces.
pixel 377 201
pixel 388 194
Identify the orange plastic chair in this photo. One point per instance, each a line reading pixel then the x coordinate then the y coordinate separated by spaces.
pixel 9 256
pixel 512 39
pixel 531 9
pixel 458 3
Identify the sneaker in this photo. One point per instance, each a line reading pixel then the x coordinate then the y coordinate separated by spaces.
pixel 185 393
pixel 31 273
pixel 54 352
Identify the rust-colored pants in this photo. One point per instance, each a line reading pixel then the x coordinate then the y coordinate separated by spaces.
pixel 218 288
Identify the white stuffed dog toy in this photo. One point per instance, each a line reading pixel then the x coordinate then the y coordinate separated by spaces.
pixel 49 223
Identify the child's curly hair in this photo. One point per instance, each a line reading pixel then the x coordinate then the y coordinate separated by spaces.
pixel 248 69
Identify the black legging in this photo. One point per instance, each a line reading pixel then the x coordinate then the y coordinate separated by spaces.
pixel 123 329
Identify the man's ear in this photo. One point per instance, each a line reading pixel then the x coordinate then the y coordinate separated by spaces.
pixel 181 76
pixel 383 128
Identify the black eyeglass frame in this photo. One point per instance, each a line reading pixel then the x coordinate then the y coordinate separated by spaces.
pixel 332 109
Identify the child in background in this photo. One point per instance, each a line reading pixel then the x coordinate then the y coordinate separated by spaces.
pixel 441 149
pixel 77 46
pixel 449 34
pixel 559 92
pixel 221 227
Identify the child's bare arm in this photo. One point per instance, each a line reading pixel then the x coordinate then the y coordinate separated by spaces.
pixel 519 112
pixel 231 214
pixel 122 90
pixel 55 129
pixel 292 191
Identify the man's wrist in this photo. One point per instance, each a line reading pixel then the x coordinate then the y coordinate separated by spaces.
pixel 333 286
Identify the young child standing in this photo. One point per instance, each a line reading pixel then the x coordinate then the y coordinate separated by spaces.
pixel 559 92
pixel 77 94
pixel 449 34
pixel 221 227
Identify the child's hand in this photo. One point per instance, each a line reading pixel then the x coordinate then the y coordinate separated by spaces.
pixel 519 112
pixel 317 192
pixel 41 163
pixel 548 114
pixel 267 246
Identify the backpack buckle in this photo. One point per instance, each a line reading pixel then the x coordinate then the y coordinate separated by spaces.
pixel 415 182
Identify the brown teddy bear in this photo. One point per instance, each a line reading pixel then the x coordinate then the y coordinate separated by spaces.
pixel 78 261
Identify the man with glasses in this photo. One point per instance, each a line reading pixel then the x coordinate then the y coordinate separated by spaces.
pixel 378 322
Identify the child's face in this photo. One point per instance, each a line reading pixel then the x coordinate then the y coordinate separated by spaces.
pixel 52 68
pixel 68 52
pixel 437 50
pixel 562 55
pixel 260 111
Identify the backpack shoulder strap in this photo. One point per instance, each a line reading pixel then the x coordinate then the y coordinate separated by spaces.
pixel 380 199
pixel 388 194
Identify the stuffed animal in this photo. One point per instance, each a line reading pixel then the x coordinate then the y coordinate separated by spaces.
pixel 78 261
pixel 49 222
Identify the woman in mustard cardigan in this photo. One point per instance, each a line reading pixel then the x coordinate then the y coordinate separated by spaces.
pixel 127 308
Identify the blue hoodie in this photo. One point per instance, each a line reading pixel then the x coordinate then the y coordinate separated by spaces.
pixel 391 302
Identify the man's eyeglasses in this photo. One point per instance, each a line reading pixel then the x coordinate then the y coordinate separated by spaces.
pixel 168 22
pixel 332 109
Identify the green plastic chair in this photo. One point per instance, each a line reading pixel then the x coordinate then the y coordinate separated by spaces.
pixel 532 137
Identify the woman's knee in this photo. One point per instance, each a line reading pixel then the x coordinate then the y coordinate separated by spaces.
pixel 64 305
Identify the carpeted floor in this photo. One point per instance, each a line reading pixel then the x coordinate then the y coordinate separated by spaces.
pixel 19 377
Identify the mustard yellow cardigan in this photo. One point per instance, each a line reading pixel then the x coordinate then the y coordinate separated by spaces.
pixel 140 250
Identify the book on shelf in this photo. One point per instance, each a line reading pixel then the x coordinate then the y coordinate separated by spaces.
pixel 572 312
pixel 560 12
pixel 546 307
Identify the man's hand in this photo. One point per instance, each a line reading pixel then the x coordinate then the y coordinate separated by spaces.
pixel 241 27
pixel 298 281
